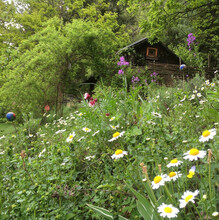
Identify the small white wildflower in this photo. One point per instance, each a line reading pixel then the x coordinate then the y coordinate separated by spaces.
pixel 192 97
pixel 89 157
pixel 41 153
pixel 60 131
pixel 2 137
pixel 95 133
pixel 204 196
pixel 86 129
pixel 215 214
pixel 199 94
pixel 207 82
pixel 81 138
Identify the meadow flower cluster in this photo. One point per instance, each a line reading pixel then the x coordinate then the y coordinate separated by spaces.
pixel 159 181
pixel 92 156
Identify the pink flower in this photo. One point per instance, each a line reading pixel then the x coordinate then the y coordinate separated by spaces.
pixel 86 96
pixel 92 103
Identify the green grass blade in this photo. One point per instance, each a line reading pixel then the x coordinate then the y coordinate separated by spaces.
pixel 101 211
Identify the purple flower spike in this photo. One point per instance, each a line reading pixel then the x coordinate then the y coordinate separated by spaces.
pixel 122 62
pixel 120 72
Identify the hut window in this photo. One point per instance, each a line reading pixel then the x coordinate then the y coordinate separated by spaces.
pixel 151 52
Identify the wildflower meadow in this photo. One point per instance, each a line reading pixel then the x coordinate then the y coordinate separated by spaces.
pixel 143 152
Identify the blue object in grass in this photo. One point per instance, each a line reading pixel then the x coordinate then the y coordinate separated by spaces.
pixel 10 116
pixel 182 66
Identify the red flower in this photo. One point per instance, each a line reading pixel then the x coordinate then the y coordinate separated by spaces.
pixel 47 108
pixel 92 103
pixel 107 114
pixel 86 96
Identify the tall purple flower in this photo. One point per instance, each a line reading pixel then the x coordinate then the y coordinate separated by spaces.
pixel 120 72
pixel 191 38
pixel 122 62
pixel 135 79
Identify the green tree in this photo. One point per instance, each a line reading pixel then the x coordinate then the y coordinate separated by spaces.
pixel 52 60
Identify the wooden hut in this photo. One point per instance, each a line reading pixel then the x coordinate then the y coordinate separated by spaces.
pixel 158 58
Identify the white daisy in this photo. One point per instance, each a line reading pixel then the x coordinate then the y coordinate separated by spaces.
pixel 118 154
pixel 41 153
pixel 70 137
pixel 111 119
pixel 207 135
pixel 95 133
pixel 116 135
pixel 207 82
pixel 199 94
pixel 174 163
pixel 173 176
pixel 212 84
pixel 86 129
pixel 194 154
pixel 158 181
pixel 188 196
pixel 168 211
pixel 114 127
pixel 81 138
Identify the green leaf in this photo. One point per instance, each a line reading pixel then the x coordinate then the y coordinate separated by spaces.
pixel 150 193
pixel 101 211
pixel 147 205
pixel 135 131
pixel 143 211
pixel 122 218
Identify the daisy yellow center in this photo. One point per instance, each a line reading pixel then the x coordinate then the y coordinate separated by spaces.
pixel 157 179
pixel 71 136
pixel 174 161
pixel 116 134
pixel 86 129
pixel 188 198
pixel 194 152
pixel 206 133
pixel 168 210
pixel 113 127
pixel 172 174
pixel 118 152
